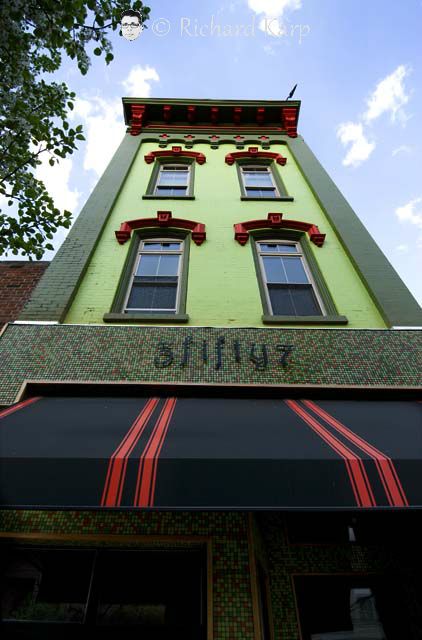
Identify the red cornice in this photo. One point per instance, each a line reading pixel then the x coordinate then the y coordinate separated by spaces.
pixel 175 152
pixel 253 153
pixel 289 116
pixel 137 118
pixel 163 219
pixel 275 221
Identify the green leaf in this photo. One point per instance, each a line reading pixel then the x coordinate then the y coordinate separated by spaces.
pixel 97 51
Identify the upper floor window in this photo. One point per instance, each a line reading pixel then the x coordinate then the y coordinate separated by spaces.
pixel 156 277
pixel 287 281
pixel 173 180
pixel 258 182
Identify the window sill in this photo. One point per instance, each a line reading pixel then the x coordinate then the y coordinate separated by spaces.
pixel 304 319
pixel 151 197
pixel 175 318
pixel 279 199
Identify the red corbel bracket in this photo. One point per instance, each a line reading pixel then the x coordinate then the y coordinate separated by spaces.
pixel 275 221
pixel 289 117
pixel 167 113
pixel 214 115
pixel 253 153
pixel 260 115
pixel 237 113
pixel 137 112
pixel 191 113
pixel 163 219
pixel 175 152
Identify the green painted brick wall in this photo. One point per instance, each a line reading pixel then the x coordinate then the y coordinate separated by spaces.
pixel 222 284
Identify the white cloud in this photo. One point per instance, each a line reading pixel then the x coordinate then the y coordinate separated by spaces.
pixel 103 118
pixel 138 82
pixel 273 11
pixel 411 212
pixel 404 148
pixel 56 180
pixel 402 248
pixel 360 149
pixel 389 96
pixel 104 129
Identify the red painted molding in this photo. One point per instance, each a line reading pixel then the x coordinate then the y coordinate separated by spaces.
pixel 253 153
pixel 167 113
pixel 275 221
pixel 214 115
pixel 175 152
pixel 237 113
pixel 289 117
pixel 191 113
pixel 137 118
pixel 260 115
pixel 163 219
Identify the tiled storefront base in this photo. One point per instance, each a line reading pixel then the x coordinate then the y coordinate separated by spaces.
pixel 232 605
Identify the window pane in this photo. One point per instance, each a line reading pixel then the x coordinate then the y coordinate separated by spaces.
pixel 148 265
pixel 305 302
pixel 278 248
pixel 153 296
pixel 257 179
pixel 46 585
pixel 261 193
pixel 333 609
pixel 173 178
pixel 281 301
pixel 169 265
pixel 152 589
pixel 161 246
pixel 274 270
pixel 171 191
pixel 295 271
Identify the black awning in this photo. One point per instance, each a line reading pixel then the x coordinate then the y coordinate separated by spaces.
pixel 210 453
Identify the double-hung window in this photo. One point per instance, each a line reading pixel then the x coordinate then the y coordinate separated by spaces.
pixel 286 279
pixel 155 282
pixel 258 181
pixel 173 180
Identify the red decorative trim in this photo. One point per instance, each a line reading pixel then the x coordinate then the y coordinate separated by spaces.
pixel 260 115
pixel 167 113
pixel 163 219
pixel 275 221
pixel 289 117
pixel 117 465
pixel 137 112
pixel 17 407
pixel 214 115
pixel 253 153
pixel 175 152
pixel 191 113
pixel 237 112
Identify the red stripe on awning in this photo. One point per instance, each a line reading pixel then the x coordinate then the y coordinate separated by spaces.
pixel 354 465
pixel 385 466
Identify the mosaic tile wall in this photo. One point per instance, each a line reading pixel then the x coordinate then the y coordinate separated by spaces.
pixel 232 605
pixel 210 355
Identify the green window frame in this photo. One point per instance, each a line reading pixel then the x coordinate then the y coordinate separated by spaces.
pixel 159 167
pixel 277 188
pixel 121 310
pixel 327 313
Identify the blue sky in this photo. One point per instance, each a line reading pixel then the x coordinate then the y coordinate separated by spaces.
pixel 358 65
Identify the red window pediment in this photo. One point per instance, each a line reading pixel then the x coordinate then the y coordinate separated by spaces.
pixel 164 219
pixel 174 152
pixel 275 221
pixel 253 153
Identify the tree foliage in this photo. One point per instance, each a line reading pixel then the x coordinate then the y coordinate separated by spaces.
pixel 34 37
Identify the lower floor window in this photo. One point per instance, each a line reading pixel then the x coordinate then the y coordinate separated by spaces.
pixel 155 282
pixel 342 608
pixel 161 592
pixel 287 281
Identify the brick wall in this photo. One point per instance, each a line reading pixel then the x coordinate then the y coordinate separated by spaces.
pixel 17 281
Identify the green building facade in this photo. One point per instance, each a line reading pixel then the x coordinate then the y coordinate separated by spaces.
pixel 215 264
